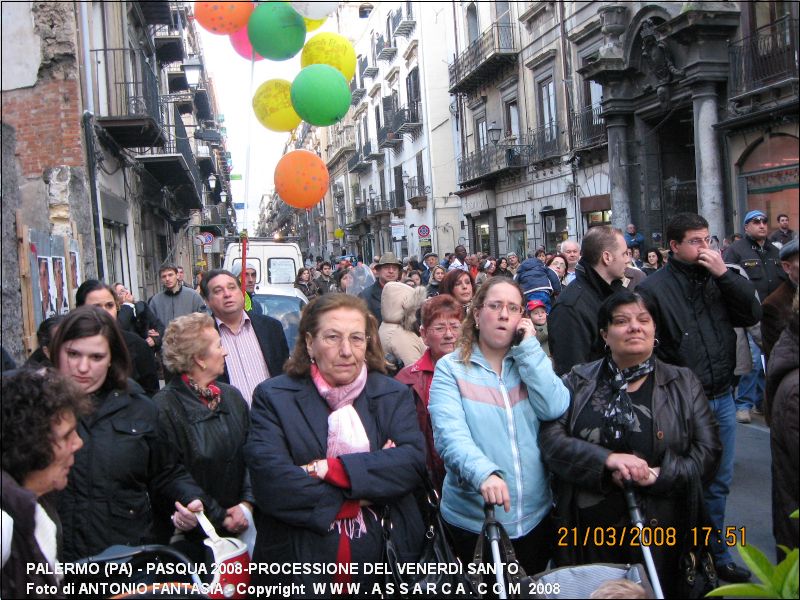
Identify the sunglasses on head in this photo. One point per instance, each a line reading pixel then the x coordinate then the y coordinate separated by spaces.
pixel 758 221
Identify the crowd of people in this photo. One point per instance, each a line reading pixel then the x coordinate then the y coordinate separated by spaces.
pixel 543 386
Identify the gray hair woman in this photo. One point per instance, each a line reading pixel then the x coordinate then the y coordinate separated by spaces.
pixel 207 423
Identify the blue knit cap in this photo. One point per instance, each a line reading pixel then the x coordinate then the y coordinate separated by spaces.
pixel 753 214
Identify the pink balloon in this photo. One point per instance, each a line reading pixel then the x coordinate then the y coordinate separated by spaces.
pixel 241 43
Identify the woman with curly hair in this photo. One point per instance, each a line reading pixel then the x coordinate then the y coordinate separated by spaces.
pixel 488 400
pixel 40 411
pixel 460 285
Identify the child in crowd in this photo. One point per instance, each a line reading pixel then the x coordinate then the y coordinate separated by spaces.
pixel 538 312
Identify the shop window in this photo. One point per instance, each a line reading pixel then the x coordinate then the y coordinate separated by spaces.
pixel 517 236
pixel 554 224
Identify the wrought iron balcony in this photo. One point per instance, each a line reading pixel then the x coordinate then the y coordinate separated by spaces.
pixel 385 50
pixel 206 159
pixel 357 90
pixel 417 192
pixel 407 120
pixel 380 205
pixel 765 60
pixel 342 142
pixel 360 212
pixel 479 63
pixel 490 161
pixel 543 142
pixel 367 68
pixel 372 152
pixel 388 138
pixel 588 128
pixel 126 97
pixel 397 200
pixel 155 12
pixel 358 163
pixel 174 165
pixel 403 22
pixel 168 42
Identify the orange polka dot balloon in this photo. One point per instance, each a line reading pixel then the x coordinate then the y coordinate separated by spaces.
pixel 223 18
pixel 301 179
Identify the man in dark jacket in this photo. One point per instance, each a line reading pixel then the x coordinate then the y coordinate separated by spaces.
pixel 698 302
pixel 388 269
pixel 572 324
pixel 756 255
pixel 778 305
pixel 256 344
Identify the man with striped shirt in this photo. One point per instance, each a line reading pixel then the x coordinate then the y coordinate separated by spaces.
pixel 256 344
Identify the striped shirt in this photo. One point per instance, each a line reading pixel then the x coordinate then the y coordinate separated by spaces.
pixel 245 361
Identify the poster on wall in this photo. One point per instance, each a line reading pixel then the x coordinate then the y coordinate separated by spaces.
pixel 47 298
pixel 74 270
pixel 60 282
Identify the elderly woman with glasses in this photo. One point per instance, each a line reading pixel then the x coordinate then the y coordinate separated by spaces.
pixel 332 443
pixel 487 402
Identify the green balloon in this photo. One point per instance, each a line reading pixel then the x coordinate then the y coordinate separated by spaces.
pixel 320 95
pixel 276 31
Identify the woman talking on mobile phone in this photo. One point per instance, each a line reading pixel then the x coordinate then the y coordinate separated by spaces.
pixel 487 401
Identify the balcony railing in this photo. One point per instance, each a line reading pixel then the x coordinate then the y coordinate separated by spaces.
pixel 370 69
pixel 388 138
pixel 479 63
pixel 766 58
pixel 358 163
pixel 588 128
pixel 357 90
pixel 417 192
pixel 397 199
pixel 407 120
pixel 492 160
pixel 403 22
pixel 126 97
pixel 544 142
pixel 342 141
pixel 384 49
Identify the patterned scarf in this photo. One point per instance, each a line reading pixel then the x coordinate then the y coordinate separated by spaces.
pixel 346 433
pixel 210 396
pixel 618 417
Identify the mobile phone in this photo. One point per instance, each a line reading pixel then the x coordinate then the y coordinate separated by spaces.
pixel 517 339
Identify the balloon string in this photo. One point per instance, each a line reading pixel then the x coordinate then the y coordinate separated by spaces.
pixel 249 129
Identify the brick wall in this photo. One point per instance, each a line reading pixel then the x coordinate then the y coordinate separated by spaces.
pixel 47 120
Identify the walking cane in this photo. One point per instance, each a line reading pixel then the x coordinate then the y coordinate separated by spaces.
pixel 493 534
pixel 638 520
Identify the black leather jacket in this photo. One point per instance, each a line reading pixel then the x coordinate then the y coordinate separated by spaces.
pixel 761 263
pixel 695 317
pixel 210 444
pixel 123 466
pixel 684 432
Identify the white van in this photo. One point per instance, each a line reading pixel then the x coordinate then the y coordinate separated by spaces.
pixel 276 263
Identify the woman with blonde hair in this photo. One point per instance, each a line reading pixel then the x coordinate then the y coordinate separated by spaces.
pixel 206 422
pixel 487 402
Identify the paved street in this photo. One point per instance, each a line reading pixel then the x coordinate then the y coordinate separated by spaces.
pixel 750 503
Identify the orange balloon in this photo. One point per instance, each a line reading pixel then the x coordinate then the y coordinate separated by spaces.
pixel 223 18
pixel 301 178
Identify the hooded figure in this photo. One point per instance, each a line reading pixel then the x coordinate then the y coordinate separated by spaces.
pixel 398 332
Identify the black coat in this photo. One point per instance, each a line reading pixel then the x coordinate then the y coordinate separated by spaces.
pixel 210 444
pixel 140 323
pixel 272 341
pixel 125 462
pixel 372 296
pixel 143 362
pixel 695 317
pixel 572 324
pixel 685 434
pixel 289 429
pixel 761 263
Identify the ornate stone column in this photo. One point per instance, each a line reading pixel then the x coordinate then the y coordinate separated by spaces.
pixel 708 165
pixel 617 127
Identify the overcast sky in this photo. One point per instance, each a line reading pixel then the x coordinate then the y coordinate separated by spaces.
pixel 231 74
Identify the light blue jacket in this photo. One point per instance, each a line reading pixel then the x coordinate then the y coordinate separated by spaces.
pixel 484 424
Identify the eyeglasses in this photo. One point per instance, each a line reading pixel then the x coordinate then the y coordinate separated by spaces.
pixel 441 329
pixel 513 309
pixel 699 241
pixel 758 221
pixel 334 340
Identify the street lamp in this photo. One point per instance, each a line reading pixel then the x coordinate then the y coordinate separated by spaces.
pixel 193 69
pixel 494 131
pixel 406 177
pixel 212 182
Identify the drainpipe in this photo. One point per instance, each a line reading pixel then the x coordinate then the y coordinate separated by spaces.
pixel 91 159
pixel 565 71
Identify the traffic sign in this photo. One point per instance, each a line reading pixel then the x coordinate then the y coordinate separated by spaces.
pixel 424 231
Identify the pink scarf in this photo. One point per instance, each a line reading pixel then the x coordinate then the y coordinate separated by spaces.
pixel 346 433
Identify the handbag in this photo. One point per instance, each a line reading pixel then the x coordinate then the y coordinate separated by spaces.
pixel 437 550
pixel 520 584
pixel 696 572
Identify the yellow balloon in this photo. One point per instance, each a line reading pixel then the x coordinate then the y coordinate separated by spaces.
pixel 330 49
pixel 312 24
pixel 272 104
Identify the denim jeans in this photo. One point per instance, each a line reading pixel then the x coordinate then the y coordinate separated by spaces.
pixel 716 492
pixel 750 391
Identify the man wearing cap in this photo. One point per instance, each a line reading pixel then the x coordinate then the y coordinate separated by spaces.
pixel 250 279
pixel 513 262
pixel 430 260
pixel 782 235
pixel 387 269
pixel 778 305
pixel 757 255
